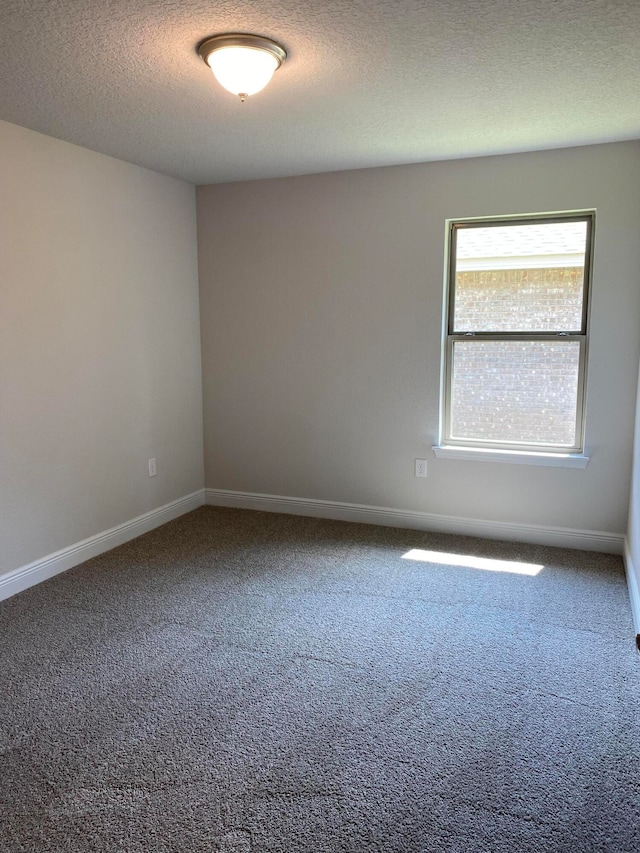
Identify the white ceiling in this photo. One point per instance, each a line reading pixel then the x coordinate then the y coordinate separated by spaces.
pixel 367 82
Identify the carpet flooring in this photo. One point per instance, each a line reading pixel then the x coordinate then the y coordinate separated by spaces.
pixel 242 682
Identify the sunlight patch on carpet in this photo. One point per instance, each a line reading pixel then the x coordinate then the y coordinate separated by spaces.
pixel 468 562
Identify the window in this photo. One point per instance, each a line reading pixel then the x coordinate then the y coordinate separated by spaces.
pixel 516 343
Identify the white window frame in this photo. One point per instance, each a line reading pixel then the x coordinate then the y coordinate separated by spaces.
pixel 535 453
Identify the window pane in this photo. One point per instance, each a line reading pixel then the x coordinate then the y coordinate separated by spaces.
pixel 515 391
pixel 520 278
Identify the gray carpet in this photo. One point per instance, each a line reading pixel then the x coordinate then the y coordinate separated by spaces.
pixel 244 682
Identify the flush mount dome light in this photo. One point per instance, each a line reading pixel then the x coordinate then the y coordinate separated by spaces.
pixel 242 63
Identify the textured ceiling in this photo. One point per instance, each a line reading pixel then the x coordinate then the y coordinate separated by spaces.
pixel 367 82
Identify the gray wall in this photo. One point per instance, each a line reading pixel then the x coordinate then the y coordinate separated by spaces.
pixel 321 313
pixel 99 344
pixel 633 532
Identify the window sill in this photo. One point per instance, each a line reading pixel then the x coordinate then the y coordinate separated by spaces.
pixel 517 457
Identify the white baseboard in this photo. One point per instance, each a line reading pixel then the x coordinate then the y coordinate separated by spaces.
pixel 33 573
pixel 634 591
pixel 563 537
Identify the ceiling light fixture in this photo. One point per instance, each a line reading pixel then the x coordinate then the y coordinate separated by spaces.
pixel 242 63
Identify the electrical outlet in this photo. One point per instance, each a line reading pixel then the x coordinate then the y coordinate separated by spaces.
pixel 421 467
pixel 152 467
